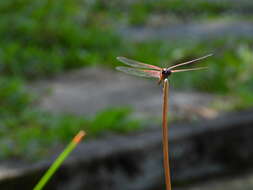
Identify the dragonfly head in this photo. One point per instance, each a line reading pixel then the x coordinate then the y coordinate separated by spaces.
pixel 166 73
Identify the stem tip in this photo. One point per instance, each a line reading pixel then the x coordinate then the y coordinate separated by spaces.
pixel 79 136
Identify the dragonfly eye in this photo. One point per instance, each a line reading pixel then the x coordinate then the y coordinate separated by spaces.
pixel 166 72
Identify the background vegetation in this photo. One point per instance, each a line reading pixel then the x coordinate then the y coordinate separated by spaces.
pixel 43 38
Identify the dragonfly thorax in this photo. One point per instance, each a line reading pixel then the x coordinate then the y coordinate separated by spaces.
pixel 166 72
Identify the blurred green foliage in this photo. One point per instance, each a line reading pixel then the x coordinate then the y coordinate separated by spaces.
pixel 27 132
pixel 139 12
pixel 42 38
pixel 13 97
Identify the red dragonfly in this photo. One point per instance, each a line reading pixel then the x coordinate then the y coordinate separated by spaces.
pixel 146 70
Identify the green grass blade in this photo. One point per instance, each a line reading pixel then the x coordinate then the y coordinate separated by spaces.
pixel 57 163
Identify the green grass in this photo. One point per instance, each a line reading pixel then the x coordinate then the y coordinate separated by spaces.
pixel 43 38
pixel 33 132
pixel 139 12
pixel 26 129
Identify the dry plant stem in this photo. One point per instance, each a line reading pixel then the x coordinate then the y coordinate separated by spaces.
pixel 165 135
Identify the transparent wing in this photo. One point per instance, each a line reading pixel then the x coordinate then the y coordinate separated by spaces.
pixel 137 64
pixel 183 70
pixel 140 72
pixel 188 62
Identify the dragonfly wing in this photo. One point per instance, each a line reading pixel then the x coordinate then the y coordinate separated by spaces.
pixel 137 64
pixel 140 72
pixel 192 61
pixel 192 69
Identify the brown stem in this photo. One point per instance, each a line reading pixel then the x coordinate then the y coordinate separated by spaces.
pixel 165 135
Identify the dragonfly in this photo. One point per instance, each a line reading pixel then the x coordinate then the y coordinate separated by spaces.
pixel 152 71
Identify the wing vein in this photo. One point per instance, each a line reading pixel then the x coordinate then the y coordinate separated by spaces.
pixel 137 64
pixel 140 72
